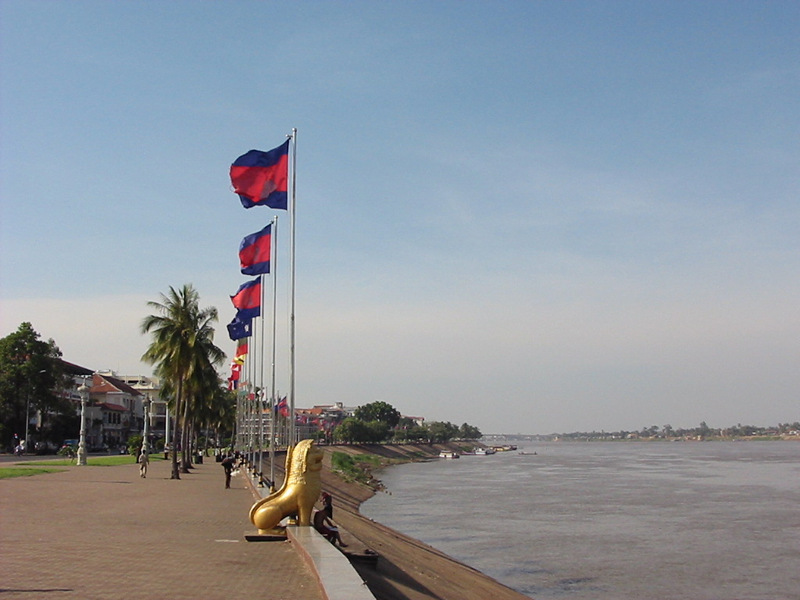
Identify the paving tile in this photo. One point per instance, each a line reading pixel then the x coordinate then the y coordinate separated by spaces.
pixel 105 533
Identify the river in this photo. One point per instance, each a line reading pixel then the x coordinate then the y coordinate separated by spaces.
pixel 616 520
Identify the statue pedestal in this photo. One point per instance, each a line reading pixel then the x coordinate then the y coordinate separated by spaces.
pixel 276 536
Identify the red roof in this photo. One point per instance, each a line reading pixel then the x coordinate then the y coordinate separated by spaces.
pixel 105 383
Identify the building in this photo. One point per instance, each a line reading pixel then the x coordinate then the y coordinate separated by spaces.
pixel 149 387
pixel 115 412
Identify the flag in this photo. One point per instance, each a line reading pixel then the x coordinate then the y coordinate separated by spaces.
pixel 254 252
pixel 282 407
pixel 260 177
pixel 233 380
pixel 240 327
pixel 248 299
pixel 241 349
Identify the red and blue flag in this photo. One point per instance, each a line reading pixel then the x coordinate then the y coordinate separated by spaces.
pixel 254 252
pixel 260 177
pixel 248 299
pixel 282 407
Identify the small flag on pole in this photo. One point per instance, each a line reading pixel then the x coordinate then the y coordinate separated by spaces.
pixel 254 252
pixel 233 380
pixel 282 407
pixel 241 349
pixel 240 327
pixel 260 177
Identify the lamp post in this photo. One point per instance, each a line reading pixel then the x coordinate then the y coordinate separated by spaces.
pixel 84 392
pixel 28 409
pixel 27 418
pixel 146 432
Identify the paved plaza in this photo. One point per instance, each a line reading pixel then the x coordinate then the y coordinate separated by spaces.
pixel 104 533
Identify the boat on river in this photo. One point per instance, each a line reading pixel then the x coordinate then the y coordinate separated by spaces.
pixel 448 454
pixel 505 448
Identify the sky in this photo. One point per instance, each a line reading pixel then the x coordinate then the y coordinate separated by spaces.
pixel 532 217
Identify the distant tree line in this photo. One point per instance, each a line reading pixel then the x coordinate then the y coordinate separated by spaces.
pixel 379 422
pixel 701 432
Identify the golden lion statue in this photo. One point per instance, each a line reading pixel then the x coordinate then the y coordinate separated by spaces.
pixel 300 490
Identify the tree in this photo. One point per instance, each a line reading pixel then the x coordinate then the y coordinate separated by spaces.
pixel 202 386
pixel 439 431
pixel 378 411
pixel 469 432
pixel 182 348
pixel 30 374
pixel 219 412
pixel 351 430
pixel 417 433
pixel 649 432
pixel 411 433
pixel 377 431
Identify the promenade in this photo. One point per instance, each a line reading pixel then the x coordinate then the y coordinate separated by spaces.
pixel 104 533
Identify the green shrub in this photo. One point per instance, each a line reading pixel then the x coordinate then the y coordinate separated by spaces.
pixel 135 444
pixel 355 468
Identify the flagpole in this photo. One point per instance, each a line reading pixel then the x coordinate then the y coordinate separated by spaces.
pixel 251 396
pixel 273 267
pixel 251 386
pixel 292 433
pixel 246 383
pixel 261 394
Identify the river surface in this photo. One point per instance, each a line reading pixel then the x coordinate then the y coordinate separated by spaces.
pixel 612 521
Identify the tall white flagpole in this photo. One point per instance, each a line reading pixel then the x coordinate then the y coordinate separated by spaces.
pixel 251 385
pixel 274 270
pixel 261 393
pixel 292 208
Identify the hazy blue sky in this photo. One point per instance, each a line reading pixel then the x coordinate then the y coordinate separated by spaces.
pixel 530 216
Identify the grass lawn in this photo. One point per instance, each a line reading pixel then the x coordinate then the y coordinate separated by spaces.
pixel 24 471
pixel 92 461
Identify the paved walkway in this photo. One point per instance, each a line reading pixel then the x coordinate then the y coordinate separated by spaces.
pixel 103 533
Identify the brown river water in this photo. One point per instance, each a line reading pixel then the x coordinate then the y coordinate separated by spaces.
pixel 612 521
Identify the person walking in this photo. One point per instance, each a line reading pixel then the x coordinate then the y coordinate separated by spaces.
pixel 144 460
pixel 227 464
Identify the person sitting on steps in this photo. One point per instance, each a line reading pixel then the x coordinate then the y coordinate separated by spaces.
pixel 323 524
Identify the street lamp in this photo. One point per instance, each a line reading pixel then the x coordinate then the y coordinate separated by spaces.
pixel 84 393
pixel 146 433
pixel 27 417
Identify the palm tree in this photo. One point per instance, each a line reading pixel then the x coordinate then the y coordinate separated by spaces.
pixel 200 387
pixel 182 344
pixel 217 409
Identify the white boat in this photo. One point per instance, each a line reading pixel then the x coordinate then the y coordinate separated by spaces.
pixel 484 451
pixel 448 454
